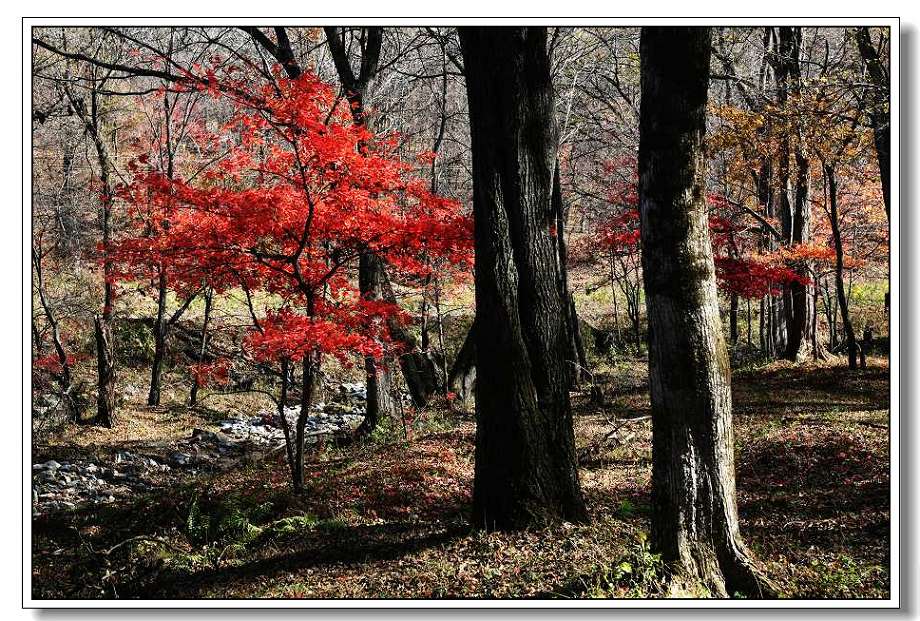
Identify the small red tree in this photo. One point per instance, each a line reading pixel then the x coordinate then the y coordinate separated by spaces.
pixel 301 193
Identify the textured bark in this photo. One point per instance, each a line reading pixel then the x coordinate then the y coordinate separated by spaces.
pixel 105 367
pixel 525 472
pixel 694 516
pixel 799 300
pixel 462 378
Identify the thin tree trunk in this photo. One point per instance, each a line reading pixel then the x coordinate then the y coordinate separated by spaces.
pixel 694 515
pixel 63 377
pixel 208 297
pixel 306 401
pixel 852 347
pixel 575 349
pixel 420 370
pixel 282 417
pixel 159 342
pixel 105 360
pixel 525 472
pixel 879 115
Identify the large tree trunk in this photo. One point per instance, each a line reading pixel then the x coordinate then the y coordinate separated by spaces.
pixel 526 472
pixel 852 347
pixel 694 515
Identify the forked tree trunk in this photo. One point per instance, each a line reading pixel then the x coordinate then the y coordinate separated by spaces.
pixel 799 298
pixel 694 515
pixel 525 472
pixel 420 369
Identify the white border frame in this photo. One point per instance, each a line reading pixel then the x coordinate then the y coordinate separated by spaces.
pixel 894 600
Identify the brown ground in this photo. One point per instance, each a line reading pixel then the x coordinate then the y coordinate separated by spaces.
pixel 385 519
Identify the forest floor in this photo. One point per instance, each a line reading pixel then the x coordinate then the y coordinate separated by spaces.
pixel 386 518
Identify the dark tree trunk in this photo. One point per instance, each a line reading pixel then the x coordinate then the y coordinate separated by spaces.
pixel 462 378
pixel 208 298
pixel 306 401
pixel 105 363
pixel 380 403
pixel 420 369
pixel 879 116
pixel 526 472
pixel 159 342
pixel 852 347
pixel 694 515
pixel 799 298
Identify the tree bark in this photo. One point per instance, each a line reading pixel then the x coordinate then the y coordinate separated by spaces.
pixel 575 349
pixel 852 347
pixel 694 516
pixel 92 121
pixel 879 114
pixel 462 378
pixel 420 369
pixel 799 298
pixel 380 403
pixel 208 298
pixel 105 367
pixel 525 472
pixel 159 342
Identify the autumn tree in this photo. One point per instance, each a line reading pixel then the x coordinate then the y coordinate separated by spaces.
pixel 525 471
pixel 288 213
pixel 694 515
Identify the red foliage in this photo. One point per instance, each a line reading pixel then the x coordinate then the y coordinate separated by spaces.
pixel 300 194
pixel 747 274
